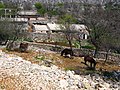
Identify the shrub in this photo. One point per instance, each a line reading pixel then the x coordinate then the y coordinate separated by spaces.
pixel 40 57
pixel 88 47
pixel 28 39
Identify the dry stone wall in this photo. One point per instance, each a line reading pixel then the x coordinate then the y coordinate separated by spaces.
pixel 100 55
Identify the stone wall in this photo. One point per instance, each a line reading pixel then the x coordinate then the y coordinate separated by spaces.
pixel 111 56
pixel 39 36
pixel 55 48
pixel 44 37
pixel 100 55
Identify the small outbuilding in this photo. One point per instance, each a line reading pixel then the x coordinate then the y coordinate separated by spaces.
pixel 41 29
pixel 82 29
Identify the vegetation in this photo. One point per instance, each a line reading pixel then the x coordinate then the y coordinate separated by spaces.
pixel 88 47
pixel 103 27
pixel 40 58
pixel 67 20
pixel 66 63
pixel 40 8
pixel 10 31
pixel 69 68
pixel 11 5
pixel 102 22
pixel 38 5
pixel 2 5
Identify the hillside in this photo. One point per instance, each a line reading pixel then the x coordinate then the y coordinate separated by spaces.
pixel 17 73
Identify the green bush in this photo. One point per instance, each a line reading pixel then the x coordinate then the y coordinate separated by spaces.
pixel 28 39
pixel 40 57
pixel 77 44
pixel 88 47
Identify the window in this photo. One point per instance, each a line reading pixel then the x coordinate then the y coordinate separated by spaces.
pixel 84 36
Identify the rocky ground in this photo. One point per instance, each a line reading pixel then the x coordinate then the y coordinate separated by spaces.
pixel 19 74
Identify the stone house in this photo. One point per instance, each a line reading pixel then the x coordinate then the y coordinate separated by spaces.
pixel 41 29
pixel 82 29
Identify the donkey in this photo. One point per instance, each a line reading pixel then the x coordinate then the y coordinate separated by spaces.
pixel 23 47
pixel 89 59
pixel 67 52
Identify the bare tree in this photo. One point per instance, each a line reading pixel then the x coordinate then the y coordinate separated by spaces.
pixel 67 20
pixel 10 31
pixel 103 26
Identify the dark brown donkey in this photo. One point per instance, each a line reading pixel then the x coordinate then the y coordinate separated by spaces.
pixel 23 47
pixel 67 52
pixel 89 59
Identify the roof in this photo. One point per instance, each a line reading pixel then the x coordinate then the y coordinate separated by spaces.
pixel 53 26
pixel 20 19
pixel 16 19
pixel 80 28
pixel 39 21
pixel 41 28
pixel 27 12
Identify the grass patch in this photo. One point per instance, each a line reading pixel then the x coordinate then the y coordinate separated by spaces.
pixel 69 68
pixel 40 57
pixel 87 72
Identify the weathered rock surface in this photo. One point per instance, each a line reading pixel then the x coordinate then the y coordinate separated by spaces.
pixel 19 74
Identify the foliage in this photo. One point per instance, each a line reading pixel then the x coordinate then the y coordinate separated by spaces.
pixel 6 30
pixel 2 12
pixel 60 4
pixel 88 47
pixel 67 18
pixel 10 31
pixel 42 11
pixel 2 5
pixel 38 6
pixel 40 57
pixel 28 39
pixel 77 44
pixel 52 12
pixel 11 5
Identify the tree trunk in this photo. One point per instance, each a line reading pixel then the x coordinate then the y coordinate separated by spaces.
pixel 80 48
pixel 5 42
pixel 10 44
pixel 95 53
pixel 107 54
pixel 70 44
